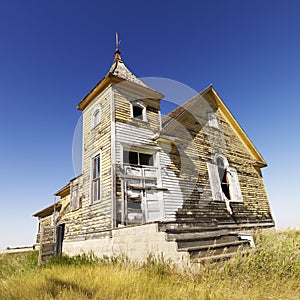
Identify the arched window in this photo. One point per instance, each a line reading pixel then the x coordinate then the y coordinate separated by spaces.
pixel 224 180
pixel 96 116
pixel 224 176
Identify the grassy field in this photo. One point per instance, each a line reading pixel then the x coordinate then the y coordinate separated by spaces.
pixel 272 272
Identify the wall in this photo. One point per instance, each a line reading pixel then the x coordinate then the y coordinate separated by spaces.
pixel 136 243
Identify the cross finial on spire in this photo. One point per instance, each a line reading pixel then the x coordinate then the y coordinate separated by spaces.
pixel 117 52
pixel 117 42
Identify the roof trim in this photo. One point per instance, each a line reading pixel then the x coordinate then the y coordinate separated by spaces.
pixel 63 191
pixel 48 210
pixel 258 159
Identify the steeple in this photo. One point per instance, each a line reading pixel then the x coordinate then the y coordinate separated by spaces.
pixel 118 68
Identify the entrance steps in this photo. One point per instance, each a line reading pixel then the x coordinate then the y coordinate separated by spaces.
pixel 202 242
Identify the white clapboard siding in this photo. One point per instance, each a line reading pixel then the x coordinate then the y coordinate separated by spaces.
pixel 172 198
pixel 132 136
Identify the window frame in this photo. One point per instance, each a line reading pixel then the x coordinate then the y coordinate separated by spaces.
pixel 139 153
pixel 234 188
pixel 213 120
pixel 94 179
pixel 96 111
pixel 75 199
pixel 140 104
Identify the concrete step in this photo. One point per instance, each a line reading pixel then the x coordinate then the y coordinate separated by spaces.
pixel 217 249
pixel 220 257
pixel 194 226
pixel 208 241
pixel 189 235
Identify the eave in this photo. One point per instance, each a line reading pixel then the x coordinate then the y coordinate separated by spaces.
pixel 48 210
pixel 100 86
pixel 63 191
pixel 113 80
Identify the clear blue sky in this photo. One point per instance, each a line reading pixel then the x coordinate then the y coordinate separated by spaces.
pixel 52 53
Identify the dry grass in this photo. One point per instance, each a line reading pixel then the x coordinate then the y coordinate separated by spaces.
pixel 272 272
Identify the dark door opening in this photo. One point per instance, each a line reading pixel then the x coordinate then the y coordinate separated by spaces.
pixel 60 232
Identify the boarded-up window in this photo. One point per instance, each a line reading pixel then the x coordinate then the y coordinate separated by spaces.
pixel 213 120
pixel 96 174
pixel 75 197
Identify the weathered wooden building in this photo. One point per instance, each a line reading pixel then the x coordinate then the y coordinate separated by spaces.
pixel 184 185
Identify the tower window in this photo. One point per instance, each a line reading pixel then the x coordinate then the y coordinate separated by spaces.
pixel 96 116
pixel 138 111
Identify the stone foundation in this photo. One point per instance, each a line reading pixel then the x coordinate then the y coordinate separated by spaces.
pixel 136 243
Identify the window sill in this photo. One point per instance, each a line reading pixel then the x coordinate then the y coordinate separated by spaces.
pixel 139 120
pixel 95 202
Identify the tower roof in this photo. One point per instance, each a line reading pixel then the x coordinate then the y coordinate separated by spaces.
pixel 119 69
pixel 120 72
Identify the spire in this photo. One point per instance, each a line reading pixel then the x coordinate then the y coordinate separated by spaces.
pixel 119 69
pixel 117 51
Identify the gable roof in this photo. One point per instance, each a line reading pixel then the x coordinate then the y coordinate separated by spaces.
pixel 117 73
pixel 175 114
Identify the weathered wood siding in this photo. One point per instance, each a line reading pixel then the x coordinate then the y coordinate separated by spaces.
pixel 197 145
pixel 89 219
pixel 133 133
pixel 72 218
pixel 97 216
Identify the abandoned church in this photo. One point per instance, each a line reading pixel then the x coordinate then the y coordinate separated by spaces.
pixel 187 185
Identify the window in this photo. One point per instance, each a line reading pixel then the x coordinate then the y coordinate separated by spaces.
pixel 96 116
pixel 224 180
pixel 75 203
pixel 137 158
pixel 96 183
pixel 138 111
pixel 213 120
pixel 223 175
pixel 54 217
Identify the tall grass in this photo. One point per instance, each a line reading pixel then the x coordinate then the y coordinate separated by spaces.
pixel 271 272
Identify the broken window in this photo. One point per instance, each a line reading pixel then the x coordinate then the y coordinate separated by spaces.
pixel 138 111
pixel 213 120
pixel 224 180
pixel 223 175
pixel 137 158
pixel 96 174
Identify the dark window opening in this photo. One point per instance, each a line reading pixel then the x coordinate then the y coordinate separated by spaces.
pixel 146 159
pixel 137 112
pixel 137 158
pixel 223 178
